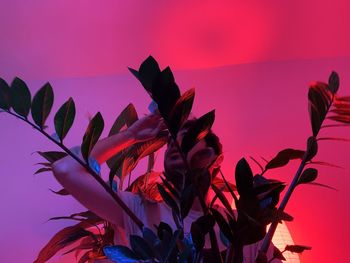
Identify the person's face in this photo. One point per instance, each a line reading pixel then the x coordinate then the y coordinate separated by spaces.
pixel 200 156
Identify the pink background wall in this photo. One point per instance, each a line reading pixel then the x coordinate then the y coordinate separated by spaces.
pixel 250 61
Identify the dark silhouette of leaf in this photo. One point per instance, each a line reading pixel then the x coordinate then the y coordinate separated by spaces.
pixel 205 223
pixel 309 175
pixel 278 254
pixel 42 170
pixel 86 243
pixel 244 178
pixel 61 239
pixel 150 237
pixel 42 105
pixel 147 73
pixel 60 192
pixel 181 111
pixel 172 245
pixel 333 82
pixel 121 254
pixel 297 248
pixel 197 131
pixel 224 226
pixel 170 188
pixel 168 199
pixel 223 199
pixel 187 198
pixel 273 215
pixel 64 118
pixel 20 97
pixel 312 148
pixel 283 158
pixel 52 156
pixel 197 236
pixel 255 161
pixel 163 228
pixel 127 117
pixel 326 164
pixel 5 95
pixel 92 134
pixel 320 100
pixel 165 92
pixel 333 139
pixel 141 247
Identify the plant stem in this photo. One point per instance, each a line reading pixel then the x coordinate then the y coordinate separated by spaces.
pixel 99 179
pixel 282 206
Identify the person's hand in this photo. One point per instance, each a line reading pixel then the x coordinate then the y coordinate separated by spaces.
pixel 147 127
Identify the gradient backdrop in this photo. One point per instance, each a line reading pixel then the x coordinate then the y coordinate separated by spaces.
pixel 250 61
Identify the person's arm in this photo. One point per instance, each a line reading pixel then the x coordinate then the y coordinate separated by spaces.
pixel 83 187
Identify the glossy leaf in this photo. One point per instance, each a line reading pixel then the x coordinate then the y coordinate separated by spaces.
pixel 244 178
pixel 42 105
pixel 181 110
pixel 5 95
pixel 223 199
pixel 309 175
pixel 147 73
pixel 333 82
pixel 312 148
pixel 187 199
pixel 64 118
pixel 224 226
pixel 92 134
pixel 198 131
pixel 283 158
pixel 126 118
pixel 20 97
pixel 121 254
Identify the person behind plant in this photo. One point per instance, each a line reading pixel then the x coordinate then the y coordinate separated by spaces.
pixel 206 154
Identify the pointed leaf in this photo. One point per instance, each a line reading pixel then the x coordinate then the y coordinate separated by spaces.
pixel 127 117
pixel 92 134
pixel 64 118
pixel 20 97
pixel 224 226
pixel 42 105
pixel 5 95
pixel 168 199
pixel 333 82
pixel 283 158
pixel 148 71
pixel 42 170
pixel 312 148
pixel 244 178
pixel 182 109
pixel 52 156
pixel 278 254
pixel 197 131
pixel 309 175
pixel 60 192
pixel 223 199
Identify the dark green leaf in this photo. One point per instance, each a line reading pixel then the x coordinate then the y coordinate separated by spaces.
pixel 223 199
pixel 187 199
pixel 283 158
pixel 163 228
pixel 197 236
pixel 127 117
pixel 297 248
pixel 198 131
pixel 42 105
pixel 181 111
pixel 148 71
pixel 64 118
pixel 150 237
pixel 52 156
pixel 168 199
pixel 92 134
pixel 5 95
pixel 205 223
pixel 333 82
pixel 312 148
pixel 140 247
pixel 172 245
pixel 244 178
pixel 20 97
pixel 309 175
pixel 224 226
